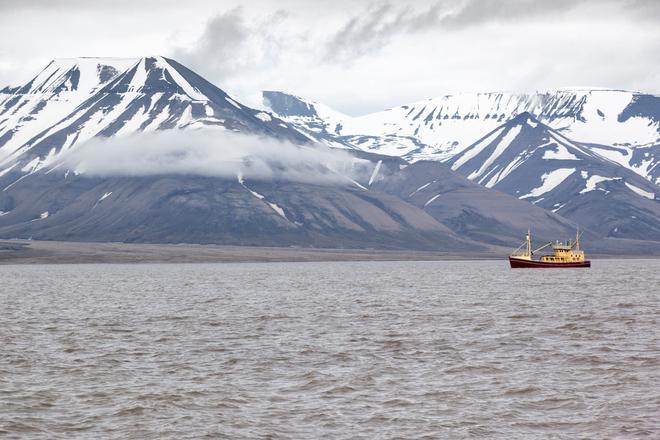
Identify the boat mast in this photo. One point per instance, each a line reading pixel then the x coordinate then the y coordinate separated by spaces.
pixel 529 242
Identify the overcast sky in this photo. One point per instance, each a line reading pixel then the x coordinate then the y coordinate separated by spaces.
pixel 356 56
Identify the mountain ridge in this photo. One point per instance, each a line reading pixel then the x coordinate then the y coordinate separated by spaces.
pixel 529 160
pixel 44 198
pixel 446 124
pixel 153 91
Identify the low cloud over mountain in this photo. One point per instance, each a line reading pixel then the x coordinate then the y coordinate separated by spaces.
pixel 213 153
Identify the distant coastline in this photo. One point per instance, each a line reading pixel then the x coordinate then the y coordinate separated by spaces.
pixel 58 252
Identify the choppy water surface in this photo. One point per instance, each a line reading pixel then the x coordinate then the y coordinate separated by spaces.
pixel 330 350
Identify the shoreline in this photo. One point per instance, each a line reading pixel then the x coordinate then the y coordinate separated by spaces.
pixel 23 252
pixel 62 252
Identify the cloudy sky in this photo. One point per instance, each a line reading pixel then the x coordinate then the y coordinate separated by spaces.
pixel 356 56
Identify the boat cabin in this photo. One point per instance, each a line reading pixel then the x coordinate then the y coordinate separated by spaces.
pixel 565 253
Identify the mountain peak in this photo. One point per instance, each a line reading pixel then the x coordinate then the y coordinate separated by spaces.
pixel 522 139
pixel 75 74
pixel 286 104
pixel 524 118
pixel 158 74
pixel 289 105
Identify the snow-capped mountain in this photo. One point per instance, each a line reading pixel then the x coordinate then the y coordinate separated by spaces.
pixel 54 93
pixel 75 101
pixel 326 124
pixel 316 116
pixel 72 101
pixel 533 162
pixel 441 127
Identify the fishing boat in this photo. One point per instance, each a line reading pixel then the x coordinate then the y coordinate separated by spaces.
pixel 565 254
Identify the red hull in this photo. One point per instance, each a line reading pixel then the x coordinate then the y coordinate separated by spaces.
pixel 517 263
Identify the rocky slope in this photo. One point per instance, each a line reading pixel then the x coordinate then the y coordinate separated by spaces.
pixel 533 162
pixel 311 196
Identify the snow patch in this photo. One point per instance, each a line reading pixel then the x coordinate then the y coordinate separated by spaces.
pixel 105 196
pixel 475 150
pixel 232 102
pixel 305 134
pixel 558 206
pixel 31 166
pixel 420 188
pixel 506 171
pixel 640 191
pixel 431 200
pixel 375 172
pixel 594 180
pixel 256 194
pixel 265 117
pixel 560 153
pixel 274 206
pixel 186 117
pixel 158 119
pixel 6 170
pixel 188 88
pixel 357 184
pixel 501 147
pixel 44 215
pixel 550 181
pixel 277 209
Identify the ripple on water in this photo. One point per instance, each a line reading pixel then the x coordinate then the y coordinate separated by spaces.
pixel 329 350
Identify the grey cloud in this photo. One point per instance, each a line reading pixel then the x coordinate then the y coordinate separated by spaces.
pixel 375 27
pixel 328 51
pixel 231 44
pixel 218 49
pixel 213 153
pixel 381 22
pixel 647 10
pixel 473 12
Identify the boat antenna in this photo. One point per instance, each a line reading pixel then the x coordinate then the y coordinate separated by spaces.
pixel 529 242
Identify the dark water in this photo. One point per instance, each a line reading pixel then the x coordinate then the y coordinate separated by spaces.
pixel 330 350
